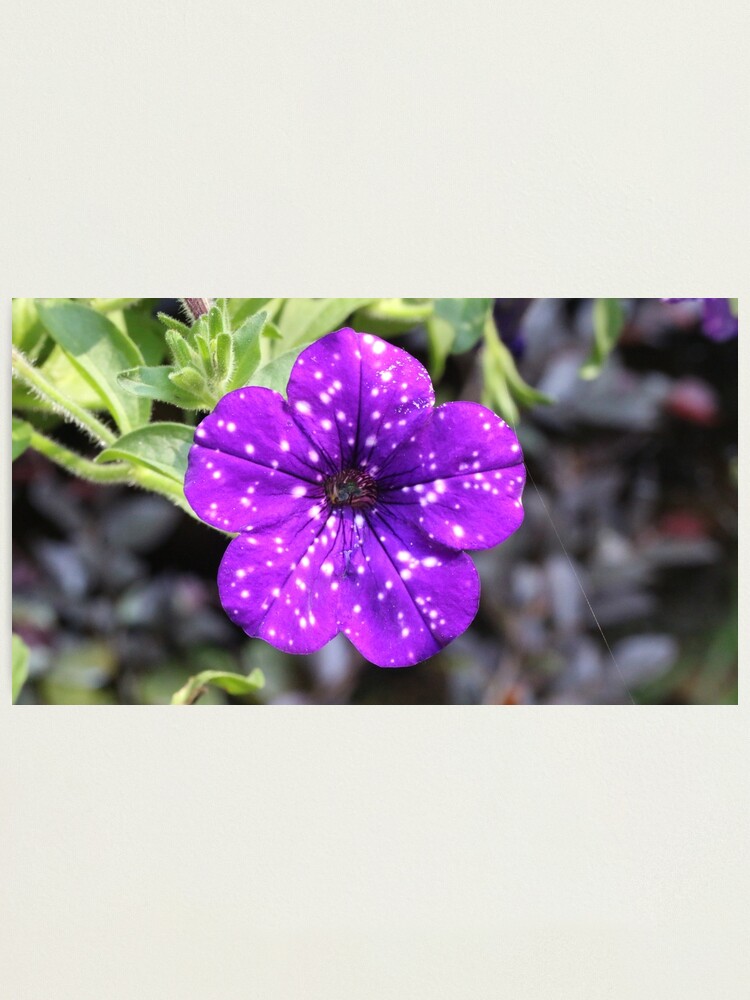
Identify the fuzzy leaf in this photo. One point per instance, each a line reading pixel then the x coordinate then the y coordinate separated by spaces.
pixel 60 369
pixel 162 447
pixel 174 324
pixel 99 351
pixel 154 383
pixel 247 350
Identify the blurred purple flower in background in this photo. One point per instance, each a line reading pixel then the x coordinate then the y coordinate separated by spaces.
pixel 719 318
pixel 508 315
pixel 354 501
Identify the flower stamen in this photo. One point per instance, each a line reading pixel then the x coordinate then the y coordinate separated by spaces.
pixel 351 488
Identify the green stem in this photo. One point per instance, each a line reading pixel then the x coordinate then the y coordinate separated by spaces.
pixel 111 473
pixel 34 378
pixel 165 487
pixel 77 464
pixel 400 311
pixel 505 366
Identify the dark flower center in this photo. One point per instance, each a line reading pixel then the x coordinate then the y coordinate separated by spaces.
pixel 352 488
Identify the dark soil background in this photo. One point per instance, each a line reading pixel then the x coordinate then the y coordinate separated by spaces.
pixel 620 587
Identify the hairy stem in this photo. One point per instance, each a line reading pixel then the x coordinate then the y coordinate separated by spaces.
pixel 68 408
pixel 111 473
pixel 69 460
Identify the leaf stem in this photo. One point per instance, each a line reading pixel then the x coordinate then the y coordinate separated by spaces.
pixel 33 377
pixel 77 464
pixel 111 473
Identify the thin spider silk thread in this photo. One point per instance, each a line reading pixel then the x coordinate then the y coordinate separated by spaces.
pixel 580 584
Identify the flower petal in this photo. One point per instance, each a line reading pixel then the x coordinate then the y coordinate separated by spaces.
pixel 403 598
pixel 251 465
pixel 358 396
pixel 279 588
pixel 719 322
pixel 460 478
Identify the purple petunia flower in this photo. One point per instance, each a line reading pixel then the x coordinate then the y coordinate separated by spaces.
pixel 353 501
pixel 719 319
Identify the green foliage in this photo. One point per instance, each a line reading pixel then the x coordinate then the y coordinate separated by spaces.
pixel 20 437
pixel 242 309
pixel 28 332
pixel 20 661
pixel 304 320
pixel 82 358
pixel 275 375
pixel 145 332
pixel 234 684
pixel 208 359
pixel 161 447
pixel 99 351
pixel 440 338
pixel 504 388
pixel 609 320
pixel 158 384
pixel 466 318
pixel 247 350
pixel 455 326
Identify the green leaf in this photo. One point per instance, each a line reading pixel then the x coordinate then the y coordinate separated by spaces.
pixel 242 309
pixel 275 375
pixel 308 319
pixel 111 305
pixel 65 376
pixel 272 332
pixel 236 684
pixel 609 320
pixel 28 332
pixel 391 317
pixel 504 387
pixel 21 437
pixel 466 317
pixel 440 338
pixel 146 333
pixel 20 661
pixel 174 324
pixel 162 447
pixel 100 352
pixel 155 383
pixel 247 350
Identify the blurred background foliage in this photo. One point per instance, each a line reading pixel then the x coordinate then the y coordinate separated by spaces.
pixel 621 585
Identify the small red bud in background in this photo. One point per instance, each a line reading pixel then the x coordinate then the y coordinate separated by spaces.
pixel 693 400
